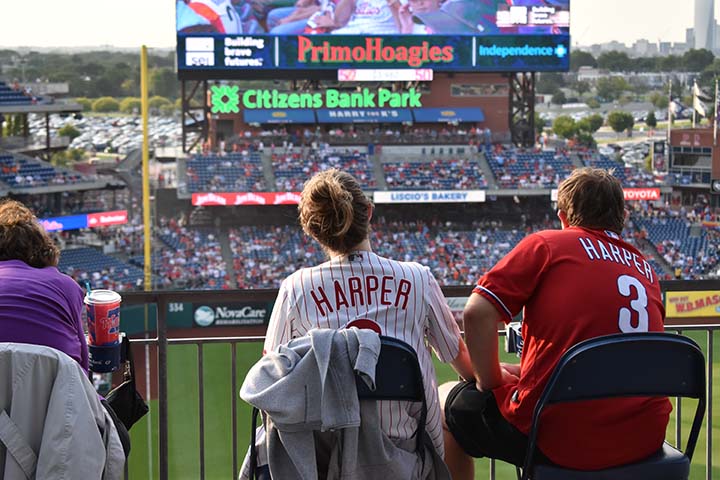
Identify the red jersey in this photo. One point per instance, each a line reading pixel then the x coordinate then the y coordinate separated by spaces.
pixel 576 284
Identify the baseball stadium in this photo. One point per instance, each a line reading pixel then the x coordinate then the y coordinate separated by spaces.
pixel 431 107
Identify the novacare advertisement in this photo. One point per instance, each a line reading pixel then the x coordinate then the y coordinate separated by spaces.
pixel 231 314
pixel 429 196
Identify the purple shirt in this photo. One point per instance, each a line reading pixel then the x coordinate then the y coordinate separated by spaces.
pixel 42 306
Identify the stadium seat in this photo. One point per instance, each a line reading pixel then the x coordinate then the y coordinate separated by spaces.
pixel 397 377
pixel 663 364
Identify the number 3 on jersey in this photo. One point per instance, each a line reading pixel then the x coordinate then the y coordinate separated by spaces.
pixel 638 303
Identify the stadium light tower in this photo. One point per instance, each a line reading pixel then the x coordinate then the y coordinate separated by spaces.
pixel 705 24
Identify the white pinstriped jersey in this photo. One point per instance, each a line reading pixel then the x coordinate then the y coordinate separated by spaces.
pixel 403 298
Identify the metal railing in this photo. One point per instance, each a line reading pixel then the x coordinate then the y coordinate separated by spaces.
pixel 161 341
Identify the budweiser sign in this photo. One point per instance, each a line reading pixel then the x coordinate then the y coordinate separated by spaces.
pixel 246 198
pixel 642 193
pixel 118 217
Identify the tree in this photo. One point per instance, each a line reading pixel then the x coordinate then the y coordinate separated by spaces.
pixel 610 88
pixel 163 82
pixel 565 126
pixel 105 104
pixel 593 103
pixel 590 124
pixel 130 105
pixel 615 61
pixel 697 60
pixel 549 83
pixel 540 123
pixel 559 98
pixel 578 59
pixel 659 100
pixel 650 120
pixel 167 110
pixel 86 103
pixel 158 102
pixel 581 87
pixel 671 63
pixel 69 131
pixel 620 121
pixel 586 139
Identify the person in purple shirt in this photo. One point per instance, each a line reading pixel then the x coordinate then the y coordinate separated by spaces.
pixel 38 304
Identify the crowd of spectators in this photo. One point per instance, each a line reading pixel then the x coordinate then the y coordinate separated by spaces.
pixel 448 174
pixel 519 168
pixel 226 172
pixel 190 258
pixel 362 135
pixel 263 255
pixel 292 168
pixel 687 239
pixel 25 172
pixel 16 94
pixel 630 176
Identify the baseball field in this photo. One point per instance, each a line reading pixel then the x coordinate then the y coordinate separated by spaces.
pixel 184 417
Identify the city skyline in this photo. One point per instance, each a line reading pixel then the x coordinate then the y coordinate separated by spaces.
pixel 132 23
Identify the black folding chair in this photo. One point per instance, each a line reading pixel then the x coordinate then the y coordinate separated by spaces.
pixel 663 364
pixel 397 377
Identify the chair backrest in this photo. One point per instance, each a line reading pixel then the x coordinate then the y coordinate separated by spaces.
pixel 626 365
pixel 397 377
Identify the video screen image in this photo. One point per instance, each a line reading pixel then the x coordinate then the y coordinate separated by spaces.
pixel 373 17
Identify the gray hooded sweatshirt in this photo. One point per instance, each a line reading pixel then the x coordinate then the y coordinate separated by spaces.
pixel 307 390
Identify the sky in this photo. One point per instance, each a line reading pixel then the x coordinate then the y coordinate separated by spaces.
pixel 131 23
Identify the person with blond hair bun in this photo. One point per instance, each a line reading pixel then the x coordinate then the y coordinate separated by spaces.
pixel 357 287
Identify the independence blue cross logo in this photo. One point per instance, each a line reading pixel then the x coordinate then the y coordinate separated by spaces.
pixel 561 51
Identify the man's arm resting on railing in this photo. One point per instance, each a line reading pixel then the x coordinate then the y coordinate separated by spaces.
pixel 481 318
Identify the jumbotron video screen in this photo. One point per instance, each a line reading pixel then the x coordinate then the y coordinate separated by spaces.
pixel 221 38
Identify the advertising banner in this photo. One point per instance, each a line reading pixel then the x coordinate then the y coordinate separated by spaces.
pixel 219 37
pixel 429 196
pixel 72 222
pixel 92 220
pixel 245 198
pixel 277 116
pixel 355 115
pixel 231 314
pixel 692 304
pixel 118 217
pixel 630 194
pixel 641 193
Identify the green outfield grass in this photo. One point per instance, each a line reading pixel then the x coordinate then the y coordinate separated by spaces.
pixel 183 401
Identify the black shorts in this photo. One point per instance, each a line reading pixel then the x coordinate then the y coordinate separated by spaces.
pixel 480 429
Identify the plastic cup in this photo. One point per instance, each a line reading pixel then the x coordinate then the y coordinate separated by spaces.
pixel 103 319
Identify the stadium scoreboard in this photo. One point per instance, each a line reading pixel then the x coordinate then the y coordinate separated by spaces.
pixel 218 39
